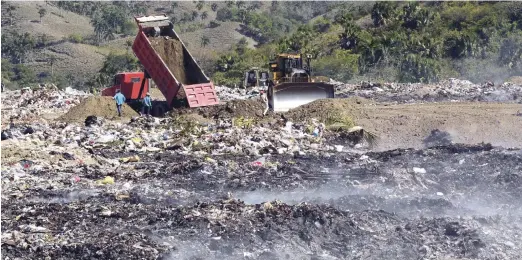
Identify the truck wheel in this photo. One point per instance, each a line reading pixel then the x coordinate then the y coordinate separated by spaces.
pixel 155 111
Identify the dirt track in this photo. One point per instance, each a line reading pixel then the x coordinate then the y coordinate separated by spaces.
pixel 407 125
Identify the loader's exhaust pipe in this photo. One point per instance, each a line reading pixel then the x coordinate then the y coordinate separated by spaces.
pixel 286 96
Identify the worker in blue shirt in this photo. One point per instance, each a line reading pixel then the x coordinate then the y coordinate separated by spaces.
pixel 147 104
pixel 120 99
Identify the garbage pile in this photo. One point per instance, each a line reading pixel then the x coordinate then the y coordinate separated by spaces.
pixel 400 204
pixel 227 93
pixel 237 187
pixel 28 105
pixel 446 90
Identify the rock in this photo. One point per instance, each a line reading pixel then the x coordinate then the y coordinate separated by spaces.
pixel 6 135
pixel 28 130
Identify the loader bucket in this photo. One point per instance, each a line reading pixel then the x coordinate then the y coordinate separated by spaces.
pixel 286 96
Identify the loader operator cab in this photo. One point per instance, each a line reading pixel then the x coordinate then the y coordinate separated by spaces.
pixel 291 68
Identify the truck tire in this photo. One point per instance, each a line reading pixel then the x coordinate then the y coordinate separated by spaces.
pixel 159 110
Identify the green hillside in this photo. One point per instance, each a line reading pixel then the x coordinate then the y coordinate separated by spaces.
pixel 85 43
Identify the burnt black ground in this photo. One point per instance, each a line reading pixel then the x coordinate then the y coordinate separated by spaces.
pixel 445 202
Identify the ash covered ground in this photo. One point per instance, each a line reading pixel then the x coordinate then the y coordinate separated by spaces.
pixel 162 189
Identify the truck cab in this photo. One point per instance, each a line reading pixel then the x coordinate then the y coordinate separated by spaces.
pixel 133 85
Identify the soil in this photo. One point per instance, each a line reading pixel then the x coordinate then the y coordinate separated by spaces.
pixel 99 106
pixel 323 108
pixel 404 126
pixel 171 51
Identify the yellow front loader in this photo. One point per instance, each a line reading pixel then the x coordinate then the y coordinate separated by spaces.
pixel 291 84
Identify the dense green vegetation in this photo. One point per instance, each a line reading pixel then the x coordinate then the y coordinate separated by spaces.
pixel 406 42
pixel 350 41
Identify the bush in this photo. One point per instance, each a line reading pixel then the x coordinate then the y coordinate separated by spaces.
pixel 342 65
pixel 224 14
pixel 213 24
pixel 414 68
pixel 221 78
pixel 75 38
pixel 129 28
pixel 322 25
pixel 23 75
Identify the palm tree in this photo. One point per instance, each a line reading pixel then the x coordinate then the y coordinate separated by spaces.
pixel 42 12
pixel 194 15
pixel 199 5
pixel 382 12
pixel 204 15
pixel 101 27
pixel 52 61
pixel 204 41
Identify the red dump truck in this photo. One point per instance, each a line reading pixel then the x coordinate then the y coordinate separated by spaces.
pixel 167 61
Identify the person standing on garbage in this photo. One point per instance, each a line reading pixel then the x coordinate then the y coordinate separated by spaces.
pixel 265 100
pixel 120 99
pixel 147 104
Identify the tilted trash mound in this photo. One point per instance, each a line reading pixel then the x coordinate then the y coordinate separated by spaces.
pixel 249 108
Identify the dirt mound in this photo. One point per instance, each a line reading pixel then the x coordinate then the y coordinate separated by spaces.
pixel 326 108
pixel 516 80
pixel 96 106
pixel 171 51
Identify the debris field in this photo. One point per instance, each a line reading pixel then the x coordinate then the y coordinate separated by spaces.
pixel 225 182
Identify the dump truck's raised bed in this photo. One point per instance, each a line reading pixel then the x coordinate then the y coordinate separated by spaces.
pixel 197 88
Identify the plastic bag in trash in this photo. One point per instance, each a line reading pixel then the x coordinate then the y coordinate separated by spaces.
pixel 130 159
pixel 259 162
pixel 106 180
pixel 26 163
pixel 106 139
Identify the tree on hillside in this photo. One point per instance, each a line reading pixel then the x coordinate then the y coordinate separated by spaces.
pixel 109 21
pixel 274 5
pixel 16 46
pixel 204 41
pixel 199 5
pixel 7 70
pixel 229 3
pixel 10 10
pixel 204 15
pixel 115 63
pixel 195 15
pixel 382 12
pixel 174 5
pixel 240 4
pixel 101 28
pixel 186 17
pixel 42 40
pixel 128 44
pixel 42 12
pixel 214 7
pixel 52 60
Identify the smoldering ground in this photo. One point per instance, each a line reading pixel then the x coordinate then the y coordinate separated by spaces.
pixel 452 201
